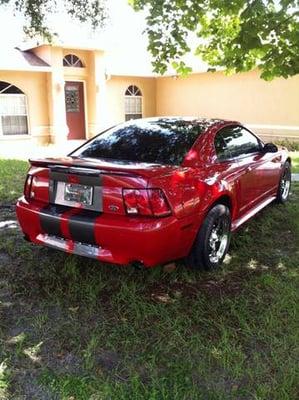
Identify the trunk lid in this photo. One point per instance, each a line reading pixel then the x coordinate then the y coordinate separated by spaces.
pixel 94 185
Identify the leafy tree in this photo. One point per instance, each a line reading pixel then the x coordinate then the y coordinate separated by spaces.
pixel 237 35
pixel 36 12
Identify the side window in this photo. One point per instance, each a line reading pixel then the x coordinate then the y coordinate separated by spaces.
pixel 237 141
pixel 221 147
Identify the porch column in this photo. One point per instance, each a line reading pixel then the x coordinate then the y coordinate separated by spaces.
pixel 101 103
pixel 57 112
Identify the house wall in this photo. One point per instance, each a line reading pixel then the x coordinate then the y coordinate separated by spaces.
pixel 115 96
pixel 34 85
pixel 269 108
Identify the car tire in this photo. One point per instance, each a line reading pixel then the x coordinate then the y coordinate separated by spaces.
pixel 284 186
pixel 212 241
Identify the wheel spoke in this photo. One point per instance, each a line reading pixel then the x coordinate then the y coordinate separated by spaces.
pixel 218 239
pixel 285 184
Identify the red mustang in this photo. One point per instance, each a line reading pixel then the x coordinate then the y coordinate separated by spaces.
pixel 154 190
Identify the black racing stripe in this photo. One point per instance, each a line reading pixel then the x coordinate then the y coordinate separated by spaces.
pixel 52 191
pixel 50 219
pixel 81 226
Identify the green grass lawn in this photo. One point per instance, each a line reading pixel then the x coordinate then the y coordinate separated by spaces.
pixel 72 328
pixel 12 176
pixel 295 161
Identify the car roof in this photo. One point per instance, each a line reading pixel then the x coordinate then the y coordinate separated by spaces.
pixel 204 123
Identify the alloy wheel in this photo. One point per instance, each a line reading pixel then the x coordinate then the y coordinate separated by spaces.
pixel 285 184
pixel 218 239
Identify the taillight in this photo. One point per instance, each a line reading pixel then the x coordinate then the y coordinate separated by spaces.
pixel 146 202
pixel 27 187
pixel 34 185
pixel 37 188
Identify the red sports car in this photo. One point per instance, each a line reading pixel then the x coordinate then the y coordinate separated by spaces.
pixel 150 191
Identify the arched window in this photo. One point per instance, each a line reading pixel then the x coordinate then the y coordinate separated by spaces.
pixel 71 60
pixel 133 103
pixel 13 110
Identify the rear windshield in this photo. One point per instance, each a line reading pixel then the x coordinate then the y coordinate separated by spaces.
pixel 163 141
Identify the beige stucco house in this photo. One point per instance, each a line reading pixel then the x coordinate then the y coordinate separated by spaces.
pixel 54 93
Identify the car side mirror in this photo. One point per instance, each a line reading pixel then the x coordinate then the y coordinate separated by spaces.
pixel 270 148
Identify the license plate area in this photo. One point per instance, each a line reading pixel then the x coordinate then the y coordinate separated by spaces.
pixel 76 197
pixel 77 193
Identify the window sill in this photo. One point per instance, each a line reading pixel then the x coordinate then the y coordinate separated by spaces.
pixel 15 137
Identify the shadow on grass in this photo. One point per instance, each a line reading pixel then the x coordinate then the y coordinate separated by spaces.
pixel 70 322
pixel 268 243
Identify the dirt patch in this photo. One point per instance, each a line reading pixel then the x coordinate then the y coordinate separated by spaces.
pixel 108 360
pixel 27 380
pixel 7 211
pixel 4 259
pixel 231 285
pixel 61 361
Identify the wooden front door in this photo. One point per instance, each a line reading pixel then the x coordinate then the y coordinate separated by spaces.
pixel 75 113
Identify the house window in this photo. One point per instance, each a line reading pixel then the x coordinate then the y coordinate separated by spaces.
pixel 13 110
pixel 133 103
pixel 72 61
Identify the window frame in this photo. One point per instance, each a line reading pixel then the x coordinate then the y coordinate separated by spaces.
pixel 261 143
pixel 133 96
pixel 79 60
pixel 17 135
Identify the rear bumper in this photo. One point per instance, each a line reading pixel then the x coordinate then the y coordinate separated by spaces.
pixel 109 238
